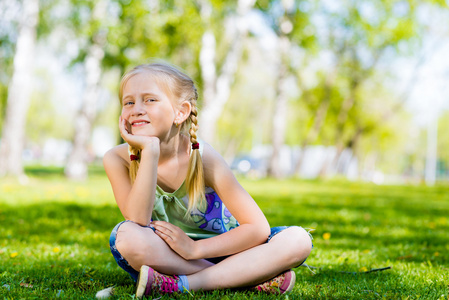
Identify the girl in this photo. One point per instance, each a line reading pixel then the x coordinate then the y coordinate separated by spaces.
pixel 189 224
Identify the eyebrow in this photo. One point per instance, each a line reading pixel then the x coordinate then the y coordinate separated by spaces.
pixel 143 95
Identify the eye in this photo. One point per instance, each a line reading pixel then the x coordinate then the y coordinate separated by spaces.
pixel 150 99
pixel 126 103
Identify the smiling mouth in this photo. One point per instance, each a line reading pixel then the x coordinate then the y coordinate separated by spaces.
pixel 140 123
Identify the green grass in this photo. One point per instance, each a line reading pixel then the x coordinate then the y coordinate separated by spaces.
pixel 54 238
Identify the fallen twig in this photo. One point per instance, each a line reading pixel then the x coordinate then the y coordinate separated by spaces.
pixel 369 271
pixel 377 270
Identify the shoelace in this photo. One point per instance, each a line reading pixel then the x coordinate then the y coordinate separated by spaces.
pixel 169 284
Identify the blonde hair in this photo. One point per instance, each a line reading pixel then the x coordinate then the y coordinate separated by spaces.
pixel 182 87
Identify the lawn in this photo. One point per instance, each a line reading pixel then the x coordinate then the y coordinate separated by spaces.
pixel 54 238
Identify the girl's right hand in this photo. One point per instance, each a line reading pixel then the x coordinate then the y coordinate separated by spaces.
pixel 149 144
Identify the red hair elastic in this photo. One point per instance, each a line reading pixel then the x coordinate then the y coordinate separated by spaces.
pixel 133 157
pixel 196 146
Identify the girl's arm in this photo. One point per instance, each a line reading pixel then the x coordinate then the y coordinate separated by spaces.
pixel 135 201
pixel 253 230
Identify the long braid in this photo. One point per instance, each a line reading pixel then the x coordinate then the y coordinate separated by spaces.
pixel 195 173
pixel 135 163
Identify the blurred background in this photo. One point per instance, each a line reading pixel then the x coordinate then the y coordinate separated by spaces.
pixel 288 88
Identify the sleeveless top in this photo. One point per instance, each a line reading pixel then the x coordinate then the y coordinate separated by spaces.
pixel 211 221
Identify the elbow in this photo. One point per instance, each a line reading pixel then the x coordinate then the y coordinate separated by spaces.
pixel 139 220
pixel 262 233
pixel 266 232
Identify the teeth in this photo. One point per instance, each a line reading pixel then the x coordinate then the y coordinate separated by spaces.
pixel 139 123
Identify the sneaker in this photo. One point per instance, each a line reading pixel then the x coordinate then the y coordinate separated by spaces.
pixel 280 284
pixel 150 280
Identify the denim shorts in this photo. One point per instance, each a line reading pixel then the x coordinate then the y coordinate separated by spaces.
pixel 121 261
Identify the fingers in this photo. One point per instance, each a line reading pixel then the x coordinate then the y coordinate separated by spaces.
pixel 166 230
pixel 124 132
pixel 176 239
pixel 138 141
pixel 167 238
pixel 163 227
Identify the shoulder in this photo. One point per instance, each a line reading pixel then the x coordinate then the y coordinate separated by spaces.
pixel 214 166
pixel 116 156
pixel 210 155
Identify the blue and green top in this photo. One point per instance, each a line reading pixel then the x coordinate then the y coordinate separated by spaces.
pixel 211 221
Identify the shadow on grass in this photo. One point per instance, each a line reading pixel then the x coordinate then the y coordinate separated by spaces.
pixel 60 246
pixel 58 223
pixel 388 284
pixel 55 250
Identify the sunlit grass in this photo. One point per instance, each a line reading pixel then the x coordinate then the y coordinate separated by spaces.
pixel 54 238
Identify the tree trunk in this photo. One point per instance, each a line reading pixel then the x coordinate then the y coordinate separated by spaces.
pixel 76 167
pixel 431 153
pixel 280 111
pixel 19 93
pixel 216 90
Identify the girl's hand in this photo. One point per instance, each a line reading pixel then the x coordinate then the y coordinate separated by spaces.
pixel 142 142
pixel 176 239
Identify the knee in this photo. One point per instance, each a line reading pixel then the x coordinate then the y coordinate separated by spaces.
pixel 299 245
pixel 131 241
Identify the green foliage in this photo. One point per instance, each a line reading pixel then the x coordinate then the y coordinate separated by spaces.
pixel 141 32
pixel 361 37
pixel 54 238
pixel 44 119
pixel 3 97
pixel 358 40
pixel 49 17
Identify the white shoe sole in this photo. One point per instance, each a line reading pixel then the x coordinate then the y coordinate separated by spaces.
pixel 142 282
pixel 292 282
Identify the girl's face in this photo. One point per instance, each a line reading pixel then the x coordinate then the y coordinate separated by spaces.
pixel 147 107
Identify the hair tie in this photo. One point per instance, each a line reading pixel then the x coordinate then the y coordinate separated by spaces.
pixel 196 146
pixel 133 157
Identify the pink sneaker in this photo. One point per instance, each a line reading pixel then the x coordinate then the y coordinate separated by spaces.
pixel 280 284
pixel 150 280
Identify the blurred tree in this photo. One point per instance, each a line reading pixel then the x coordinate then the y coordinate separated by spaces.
pixel 144 30
pixel 19 92
pixel 361 38
pixel 289 20
pixel 9 23
pixel 94 31
pixel 44 118
pixel 395 28
pixel 318 101
pixel 217 87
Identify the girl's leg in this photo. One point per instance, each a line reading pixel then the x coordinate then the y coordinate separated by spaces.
pixel 285 250
pixel 141 246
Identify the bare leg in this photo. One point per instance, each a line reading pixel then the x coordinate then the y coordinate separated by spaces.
pixel 141 246
pixel 285 250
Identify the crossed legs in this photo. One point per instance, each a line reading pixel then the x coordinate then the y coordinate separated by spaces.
pixel 141 246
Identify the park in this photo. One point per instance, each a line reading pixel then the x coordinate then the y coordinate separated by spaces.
pixel 330 114
pixel 55 238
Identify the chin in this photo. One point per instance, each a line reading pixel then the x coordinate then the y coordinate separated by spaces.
pixel 140 132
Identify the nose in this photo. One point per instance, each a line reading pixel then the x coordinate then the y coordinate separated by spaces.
pixel 137 109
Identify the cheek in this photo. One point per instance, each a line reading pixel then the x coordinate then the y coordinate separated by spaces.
pixel 124 114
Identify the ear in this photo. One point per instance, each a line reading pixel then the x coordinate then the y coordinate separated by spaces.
pixel 183 112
